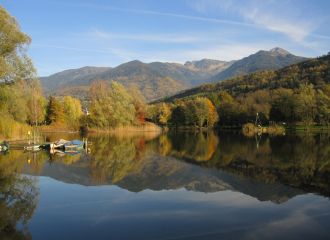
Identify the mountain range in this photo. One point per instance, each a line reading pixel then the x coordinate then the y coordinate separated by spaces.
pixel 157 79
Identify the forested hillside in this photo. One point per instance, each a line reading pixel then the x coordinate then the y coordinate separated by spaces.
pixel 315 71
pixel 296 94
pixel 136 75
pixel 58 79
pixel 178 72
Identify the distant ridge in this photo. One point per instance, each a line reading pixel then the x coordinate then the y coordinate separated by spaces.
pixel 274 59
pixel 137 75
pixel 158 79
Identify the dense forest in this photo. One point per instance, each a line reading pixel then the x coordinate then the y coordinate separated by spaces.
pixel 299 92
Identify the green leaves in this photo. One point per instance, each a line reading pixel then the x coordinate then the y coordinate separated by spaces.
pixel 15 65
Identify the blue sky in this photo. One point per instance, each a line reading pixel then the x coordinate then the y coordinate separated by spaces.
pixel 68 34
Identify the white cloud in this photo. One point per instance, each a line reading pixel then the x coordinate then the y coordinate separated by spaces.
pixel 175 38
pixel 283 17
pixel 119 52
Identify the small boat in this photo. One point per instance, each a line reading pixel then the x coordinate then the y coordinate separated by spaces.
pixel 75 144
pixel 4 146
pixel 45 146
pixel 59 143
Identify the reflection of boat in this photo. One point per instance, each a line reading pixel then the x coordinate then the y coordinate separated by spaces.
pixel 4 152
pixel 32 146
pixel 75 144
pixel 4 146
pixel 57 152
pixel 74 152
pixel 32 150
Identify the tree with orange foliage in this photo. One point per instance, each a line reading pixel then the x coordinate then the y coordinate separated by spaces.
pixel 212 116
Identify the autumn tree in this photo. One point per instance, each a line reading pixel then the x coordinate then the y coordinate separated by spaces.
pixel 152 113
pixel 164 113
pixel 212 116
pixel 72 108
pixel 139 105
pixel 55 111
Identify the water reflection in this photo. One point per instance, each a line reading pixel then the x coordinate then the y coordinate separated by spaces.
pixel 137 161
pixel 18 197
pixel 274 168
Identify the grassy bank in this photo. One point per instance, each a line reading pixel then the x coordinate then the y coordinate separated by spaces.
pixel 249 127
pixel 311 128
pixel 13 130
pixel 145 127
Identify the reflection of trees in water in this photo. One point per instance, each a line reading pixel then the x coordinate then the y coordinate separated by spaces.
pixel 18 197
pixel 116 156
pixel 69 159
pixel 199 146
pixel 37 161
pixel 297 160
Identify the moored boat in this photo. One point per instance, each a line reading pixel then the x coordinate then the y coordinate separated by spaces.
pixel 4 146
pixel 59 143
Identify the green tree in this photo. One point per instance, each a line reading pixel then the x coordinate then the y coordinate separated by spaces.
pixel 202 110
pixel 111 107
pixel 191 117
pixel 306 104
pixel 214 99
pixel 323 107
pixel 224 97
pixel 288 106
pixel 178 116
pixel 15 65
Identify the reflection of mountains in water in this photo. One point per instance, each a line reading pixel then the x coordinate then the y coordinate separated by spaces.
pixel 168 173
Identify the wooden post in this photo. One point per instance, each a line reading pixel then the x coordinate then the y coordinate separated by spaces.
pixel 86 145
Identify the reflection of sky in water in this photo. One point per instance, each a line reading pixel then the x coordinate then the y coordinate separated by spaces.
pixel 70 211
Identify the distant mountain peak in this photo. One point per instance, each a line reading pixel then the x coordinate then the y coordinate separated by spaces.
pixel 279 50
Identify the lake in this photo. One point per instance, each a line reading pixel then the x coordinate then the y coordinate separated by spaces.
pixel 174 185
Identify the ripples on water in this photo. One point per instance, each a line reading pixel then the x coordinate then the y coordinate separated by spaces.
pixel 177 185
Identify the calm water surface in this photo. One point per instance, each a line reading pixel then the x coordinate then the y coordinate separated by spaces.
pixel 177 185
